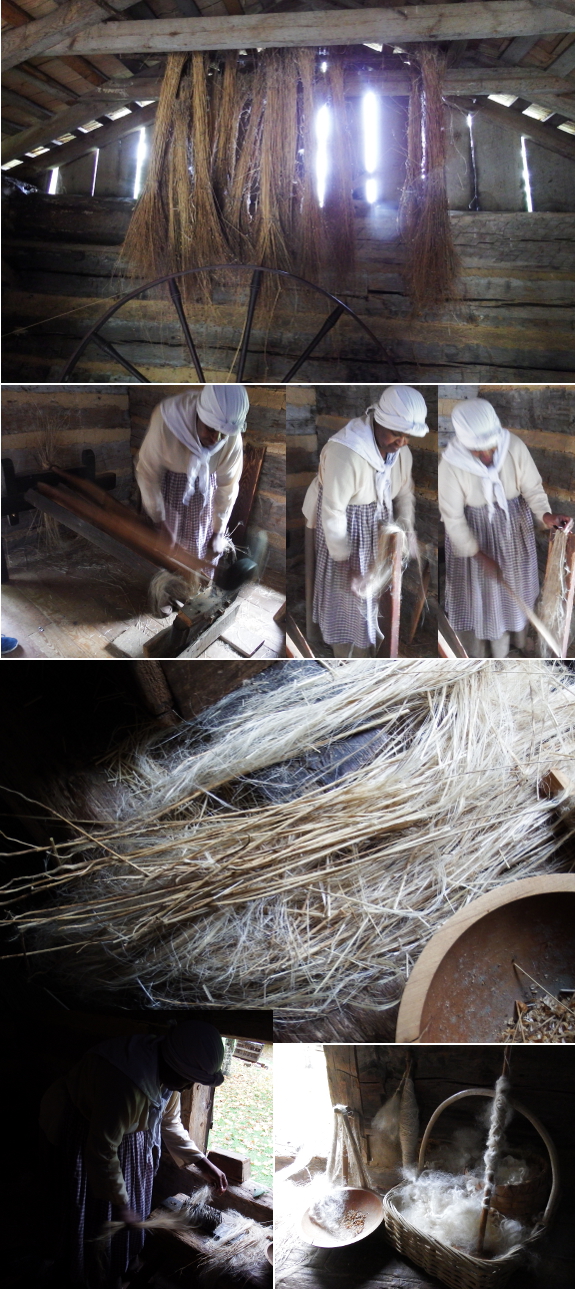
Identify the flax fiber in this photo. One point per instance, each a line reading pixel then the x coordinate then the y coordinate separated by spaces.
pixel 298 845
pixel 232 178
pixel 432 264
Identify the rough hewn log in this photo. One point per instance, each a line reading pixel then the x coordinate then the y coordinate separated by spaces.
pixel 110 96
pixel 477 21
pixel 548 136
pixel 34 38
pixel 96 139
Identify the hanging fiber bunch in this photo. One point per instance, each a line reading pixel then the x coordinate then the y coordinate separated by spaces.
pixel 408 1122
pixel 208 887
pixel 553 605
pixel 378 576
pixel 232 173
pixel 432 263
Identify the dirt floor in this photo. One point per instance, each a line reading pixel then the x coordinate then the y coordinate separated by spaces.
pixel 74 602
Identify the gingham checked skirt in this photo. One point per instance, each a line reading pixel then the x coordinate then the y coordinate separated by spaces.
pixel 473 600
pixel 191 525
pixel 342 617
pixel 84 1214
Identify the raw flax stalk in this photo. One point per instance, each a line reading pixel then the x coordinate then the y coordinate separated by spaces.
pixel 432 263
pixel 200 892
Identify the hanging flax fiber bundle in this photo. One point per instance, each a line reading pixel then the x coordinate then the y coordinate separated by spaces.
pixel 552 607
pixel 432 263
pixel 232 177
pixel 298 844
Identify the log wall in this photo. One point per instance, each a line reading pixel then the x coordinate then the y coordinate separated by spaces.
pixel 514 318
pixel 96 417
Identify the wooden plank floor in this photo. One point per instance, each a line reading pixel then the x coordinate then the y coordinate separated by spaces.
pixel 74 603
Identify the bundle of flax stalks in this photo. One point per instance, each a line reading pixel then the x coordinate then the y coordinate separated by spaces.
pixel 231 174
pixel 298 845
pixel 432 263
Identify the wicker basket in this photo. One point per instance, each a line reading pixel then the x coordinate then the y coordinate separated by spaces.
pixel 454 1268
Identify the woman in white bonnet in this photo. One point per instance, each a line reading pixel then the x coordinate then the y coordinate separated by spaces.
pixel 489 490
pixel 364 480
pixel 190 463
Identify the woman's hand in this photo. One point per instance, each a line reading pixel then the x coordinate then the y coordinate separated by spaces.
pixel 489 565
pixel 129 1216
pixel 213 1175
pixel 556 521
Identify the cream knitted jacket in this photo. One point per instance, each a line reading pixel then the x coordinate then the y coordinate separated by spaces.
pixel 162 451
pixel 458 489
pixel 346 480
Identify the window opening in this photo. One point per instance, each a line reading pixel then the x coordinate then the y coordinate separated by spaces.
pixel 322 136
pixel 526 179
pixel 95 171
pixel 370 120
pixel 243 1107
pixel 141 155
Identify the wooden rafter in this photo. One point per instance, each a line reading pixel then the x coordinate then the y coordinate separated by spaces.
pixel 547 135
pixel 434 22
pixel 96 139
pixel 530 83
pixel 33 38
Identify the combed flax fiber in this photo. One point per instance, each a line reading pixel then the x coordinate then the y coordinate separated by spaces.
pixel 552 606
pixel 432 263
pixel 209 887
pixel 232 175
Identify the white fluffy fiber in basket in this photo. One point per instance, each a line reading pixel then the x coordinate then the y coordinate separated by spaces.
pixel 448 1209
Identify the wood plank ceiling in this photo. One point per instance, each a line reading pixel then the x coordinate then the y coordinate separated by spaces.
pixel 53 86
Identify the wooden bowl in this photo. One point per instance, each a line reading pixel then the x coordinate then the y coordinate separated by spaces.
pixel 366 1202
pixel 464 986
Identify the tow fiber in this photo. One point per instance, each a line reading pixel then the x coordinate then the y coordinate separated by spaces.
pixel 298 845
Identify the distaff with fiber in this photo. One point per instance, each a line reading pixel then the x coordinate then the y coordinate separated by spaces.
pixel 489 488
pixel 105 1121
pixel 363 484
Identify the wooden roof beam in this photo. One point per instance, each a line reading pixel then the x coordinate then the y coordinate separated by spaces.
pixel 34 38
pixel 109 96
pixel 434 22
pixel 92 142
pixel 530 83
pixel 508 117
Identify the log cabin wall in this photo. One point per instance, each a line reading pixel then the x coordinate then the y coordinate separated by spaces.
pixel 96 417
pixel 542 1079
pixel 266 425
pixel 544 418
pixel 513 318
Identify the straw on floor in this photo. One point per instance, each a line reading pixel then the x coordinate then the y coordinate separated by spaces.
pixel 298 845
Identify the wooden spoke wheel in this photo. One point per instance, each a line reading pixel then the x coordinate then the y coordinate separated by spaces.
pixel 95 334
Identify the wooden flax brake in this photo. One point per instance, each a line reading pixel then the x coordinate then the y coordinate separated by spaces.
pixel 127 529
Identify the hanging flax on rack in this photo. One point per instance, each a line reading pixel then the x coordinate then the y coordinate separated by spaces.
pixel 432 263
pixel 232 176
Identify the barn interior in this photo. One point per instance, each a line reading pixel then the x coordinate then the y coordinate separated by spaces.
pixel 543 416
pixel 43 1046
pixel 359 1082
pixel 489 297
pixel 313 414
pixel 71 590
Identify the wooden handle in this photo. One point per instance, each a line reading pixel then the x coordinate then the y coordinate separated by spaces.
pixel 482 1092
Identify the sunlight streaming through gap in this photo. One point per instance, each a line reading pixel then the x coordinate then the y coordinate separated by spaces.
pixel 53 185
pixel 95 171
pixel 371 129
pixel 140 158
pixel 526 179
pixel 322 135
